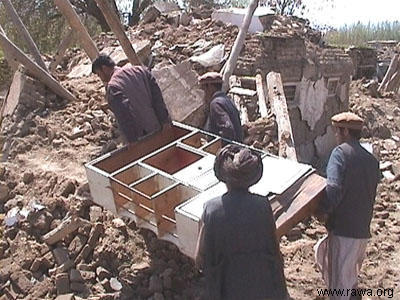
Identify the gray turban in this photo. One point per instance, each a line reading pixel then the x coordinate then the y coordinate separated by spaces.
pixel 238 166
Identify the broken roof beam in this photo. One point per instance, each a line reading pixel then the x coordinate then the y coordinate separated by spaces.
pixel 279 108
pixel 33 49
pixel 230 65
pixel 83 36
pixel 62 48
pixel 33 68
pixel 116 26
pixel 262 96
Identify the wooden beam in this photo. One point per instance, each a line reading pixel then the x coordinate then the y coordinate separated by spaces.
pixel 33 49
pixel 34 69
pixel 116 26
pixel 394 65
pixel 73 19
pixel 262 96
pixel 65 43
pixel 230 65
pixel 279 108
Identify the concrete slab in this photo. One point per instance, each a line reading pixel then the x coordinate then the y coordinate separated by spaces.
pixel 235 16
pixel 182 94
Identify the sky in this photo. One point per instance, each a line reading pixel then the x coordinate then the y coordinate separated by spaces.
pixel 342 12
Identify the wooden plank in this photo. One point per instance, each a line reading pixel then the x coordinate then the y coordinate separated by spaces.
pixel 230 65
pixel 34 69
pixel 394 65
pixel 62 48
pixel 66 227
pixel 134 151
pixel 33 49
pixel 262 96
pixel 83 36
pixel 278 103
pixel 116 26
pixel 394 83
pixel 14 93
pixel 303 205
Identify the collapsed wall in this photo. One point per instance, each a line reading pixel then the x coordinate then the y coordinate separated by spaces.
pixel 316 81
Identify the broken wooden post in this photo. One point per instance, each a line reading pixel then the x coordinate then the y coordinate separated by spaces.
pixel 73 19
pixel 262 93
pixel 394 65
pixel 33 49
pixel 116 26
pixel 65 43
pixel 34 69
pixel 279 108
pixel 230 65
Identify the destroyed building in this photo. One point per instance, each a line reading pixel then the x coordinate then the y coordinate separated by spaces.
pixel 316 78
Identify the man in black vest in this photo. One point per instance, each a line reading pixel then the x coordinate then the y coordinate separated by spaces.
pixel 352 178
pixel 223 117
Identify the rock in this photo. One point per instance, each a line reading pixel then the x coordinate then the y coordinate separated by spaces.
pixel 28 177
pixel 67 188
pixel 185 19
pixel 60 255
pixel 66 297
pixel 78 287
pixel 140 266
pixel 4 192
pixel 21 282
pixel 396 169
pixel 88 276
pixel 57 142
pixel 75 276
pixel 76 133
pixel 102 273
pixel 118 223
pixel 294 234
pixel 96 214
pixel 115 284
pixel 382 215
pixel 62 283
pixel 77 244
pixel 41 220
pixel 155 284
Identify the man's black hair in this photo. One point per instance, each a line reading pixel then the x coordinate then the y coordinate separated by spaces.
pixel 354 133
pixel 102 60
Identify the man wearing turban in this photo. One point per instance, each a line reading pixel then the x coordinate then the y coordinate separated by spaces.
pixel 223 117
pixel 237 247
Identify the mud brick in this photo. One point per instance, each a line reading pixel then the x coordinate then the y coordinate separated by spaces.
pixel 62 283
pixel 62 230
